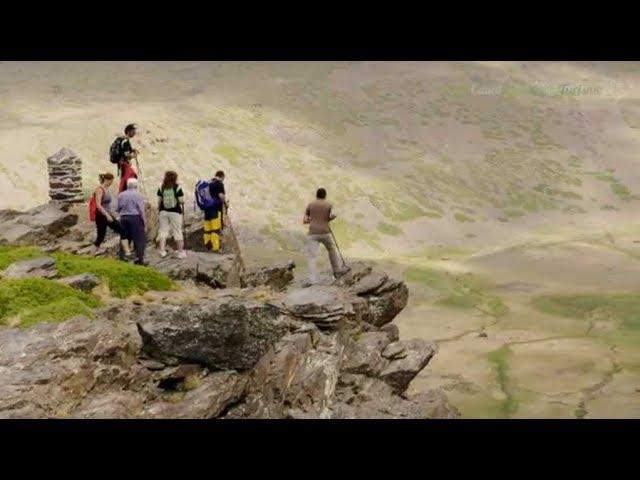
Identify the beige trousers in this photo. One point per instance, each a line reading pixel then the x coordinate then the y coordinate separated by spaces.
pixel 312 249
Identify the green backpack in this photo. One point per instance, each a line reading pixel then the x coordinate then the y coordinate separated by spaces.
pixel 170 198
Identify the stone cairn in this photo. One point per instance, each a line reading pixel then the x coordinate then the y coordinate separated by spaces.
pixel 65 177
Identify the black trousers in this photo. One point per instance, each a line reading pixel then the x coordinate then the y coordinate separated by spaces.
pixel 133 229
pixel 101 228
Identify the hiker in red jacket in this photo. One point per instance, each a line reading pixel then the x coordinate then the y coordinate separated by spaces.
pixel 126 172
pixel 121 153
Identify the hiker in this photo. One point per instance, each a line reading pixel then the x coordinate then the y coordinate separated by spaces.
pixel 317 216
pixel 103 214
pixel 121 153
pixel 171 206
pixel 132 221
pixel 211 199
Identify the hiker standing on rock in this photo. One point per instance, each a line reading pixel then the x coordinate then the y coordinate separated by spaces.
pixel 171 206
pixel 121 153
pixel 317 216
pixel 211 198
pixel 103 214
pixel 131 210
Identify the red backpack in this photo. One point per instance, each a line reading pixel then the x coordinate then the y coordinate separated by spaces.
pixel 93 207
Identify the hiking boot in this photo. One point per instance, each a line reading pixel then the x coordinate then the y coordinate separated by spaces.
pixel 144 263
pixel 163 253
pixel 181 254
pixel 126 258
pixel 342 272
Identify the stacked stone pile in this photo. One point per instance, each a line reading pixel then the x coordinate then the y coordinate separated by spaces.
pixel 65 177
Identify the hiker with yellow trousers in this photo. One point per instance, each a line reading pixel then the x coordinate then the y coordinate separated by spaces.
pixel 211 198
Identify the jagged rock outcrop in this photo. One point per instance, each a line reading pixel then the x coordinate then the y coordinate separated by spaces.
pixel 232 356
pixel 257 346
pixel 365 397
pixel 386 297
pixel 43 267
pixel 406 359
pixel 363 295
pixel 48 369
pixel 296 379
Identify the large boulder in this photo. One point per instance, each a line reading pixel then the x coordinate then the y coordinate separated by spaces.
pixel 329 307
pixel 274 276
pixel 42 267
pixel 37 226
pixel 214 270
pixel 225 333
pixel 84 281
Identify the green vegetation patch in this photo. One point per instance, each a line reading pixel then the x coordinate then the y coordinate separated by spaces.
pixel 620 307
pixel 348 233
pixel 529 201
pixel 395 210
pixel 546 189
pixel 229 152
pixel 55 312
pixel 619 189
pixel 9 255
pixel 513 213
pixel 389 229
pixel 499 359
pixel 458 290
pixel 572 209
pixel 122 278
pixel 461 217
pixel 34 300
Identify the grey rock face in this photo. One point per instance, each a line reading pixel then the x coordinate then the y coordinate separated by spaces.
pixel 408 358
pixel 294 380
pixel 216 271
pixel 37 226
pixel 275 276
pixel 84 281
pixel 326 306
pixel 227 333
pixel 43 267
pixel 386 297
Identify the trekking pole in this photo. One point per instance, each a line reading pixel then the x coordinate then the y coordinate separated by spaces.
pixel 139 172
pixel 344 264
pixel 184 229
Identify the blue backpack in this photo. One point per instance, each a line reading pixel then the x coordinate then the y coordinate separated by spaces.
pixel 204 200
